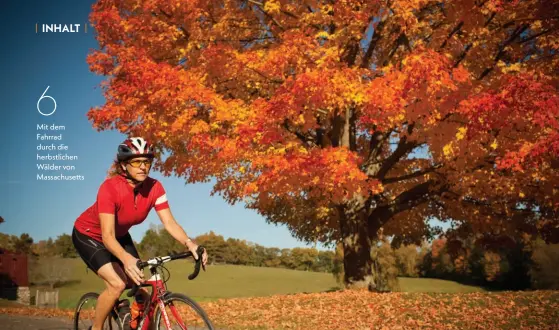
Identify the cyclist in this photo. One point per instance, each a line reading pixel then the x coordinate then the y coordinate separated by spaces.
pixel 100 234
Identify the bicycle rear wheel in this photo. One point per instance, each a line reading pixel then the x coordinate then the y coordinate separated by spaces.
pixel 85 312
pixel 183 313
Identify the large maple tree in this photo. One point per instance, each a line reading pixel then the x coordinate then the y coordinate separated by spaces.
pixel 346 120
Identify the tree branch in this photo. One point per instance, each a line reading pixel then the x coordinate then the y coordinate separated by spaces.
pixel 493 14
pixel 337 129
pixel 274 80
pixel 306 141
pixel 524 19
pixel 535 36
pixel 289 14
pixel 374 40
pixel 402 40
pixel 349 55
pixel 434 27
pixel 260 6
pixel 411 198
pixel 375 145
pixel 403 148
pixel 501 50
pixel 463 55
pixel 454 31
pixel 405 201
pixel 372 164
pixel 412 175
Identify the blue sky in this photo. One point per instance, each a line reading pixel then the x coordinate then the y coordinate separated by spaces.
pixel 32 62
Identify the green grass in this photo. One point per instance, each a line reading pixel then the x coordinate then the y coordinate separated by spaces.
pixel 228 281
pixel 219 281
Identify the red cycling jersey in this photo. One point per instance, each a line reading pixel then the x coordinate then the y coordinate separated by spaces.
pixel 129 205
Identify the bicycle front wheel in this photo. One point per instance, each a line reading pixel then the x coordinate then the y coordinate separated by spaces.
pixel 182 313
pixel 85 313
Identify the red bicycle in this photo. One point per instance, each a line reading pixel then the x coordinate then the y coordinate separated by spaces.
pixel 164 309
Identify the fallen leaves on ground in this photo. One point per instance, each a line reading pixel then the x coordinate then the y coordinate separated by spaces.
pixel 351 309
pixel 36 311
pixel 360 309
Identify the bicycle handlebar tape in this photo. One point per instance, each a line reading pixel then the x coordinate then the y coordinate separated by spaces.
pixel 181 255
pixel 199 251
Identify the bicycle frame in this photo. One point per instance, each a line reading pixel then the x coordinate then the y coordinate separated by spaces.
pixel 157 298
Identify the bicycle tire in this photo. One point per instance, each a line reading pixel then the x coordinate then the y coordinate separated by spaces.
pixel 81 302
pixel 185 299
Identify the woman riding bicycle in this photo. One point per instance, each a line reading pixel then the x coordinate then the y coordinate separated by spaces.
pixel 100 234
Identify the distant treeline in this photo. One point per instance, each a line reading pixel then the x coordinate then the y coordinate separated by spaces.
pixel 495 262
pixel 61 246
pixel 157 241
pixel 500 263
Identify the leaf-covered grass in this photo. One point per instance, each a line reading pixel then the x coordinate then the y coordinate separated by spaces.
pixel 241 297
pixel 359 309
pixel 365 310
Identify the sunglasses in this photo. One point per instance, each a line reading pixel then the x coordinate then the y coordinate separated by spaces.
pixel 138 162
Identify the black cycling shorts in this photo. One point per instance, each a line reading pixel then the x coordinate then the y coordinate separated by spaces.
pixel 95 254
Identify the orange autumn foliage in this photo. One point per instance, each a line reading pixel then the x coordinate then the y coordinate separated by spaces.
pixel 342 118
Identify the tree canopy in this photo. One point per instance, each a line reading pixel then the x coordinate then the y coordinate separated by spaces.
pixel 346 119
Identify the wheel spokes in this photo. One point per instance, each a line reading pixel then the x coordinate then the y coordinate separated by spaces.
pixel 86 316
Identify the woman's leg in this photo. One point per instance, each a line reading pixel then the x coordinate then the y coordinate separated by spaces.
pixel 115 282
pixel 108 268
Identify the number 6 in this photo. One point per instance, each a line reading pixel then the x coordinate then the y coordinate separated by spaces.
pixel 50 97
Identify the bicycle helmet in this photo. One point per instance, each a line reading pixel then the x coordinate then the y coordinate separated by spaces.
pixel 131 148
pixel 134 147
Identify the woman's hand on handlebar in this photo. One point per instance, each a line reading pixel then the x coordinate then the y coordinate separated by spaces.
pixel 192 247
pixel 132 270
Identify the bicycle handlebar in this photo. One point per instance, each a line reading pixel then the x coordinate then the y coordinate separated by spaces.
pixel 161 260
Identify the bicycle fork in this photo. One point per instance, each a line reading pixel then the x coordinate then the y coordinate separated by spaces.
pixel 158 289
pixel 164 314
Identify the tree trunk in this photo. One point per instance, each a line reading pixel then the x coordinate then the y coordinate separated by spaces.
pixel 357 248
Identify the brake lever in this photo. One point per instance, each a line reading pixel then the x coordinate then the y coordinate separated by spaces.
pixel 140 264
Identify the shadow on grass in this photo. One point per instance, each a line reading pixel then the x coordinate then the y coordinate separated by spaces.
pixel 333 289
pixel 489 287
pixel 454 285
